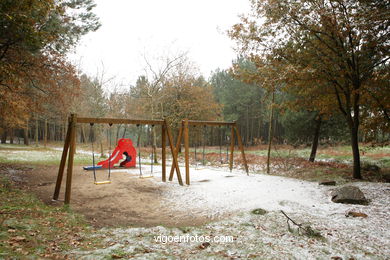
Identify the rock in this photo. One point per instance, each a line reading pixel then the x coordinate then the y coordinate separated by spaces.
pixel 327 183
pixel 349 195
pixel 259 211
pixel 356 214
pixel 371 167
pixel 386 177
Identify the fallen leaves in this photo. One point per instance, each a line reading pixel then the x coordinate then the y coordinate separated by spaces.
pixel 356 214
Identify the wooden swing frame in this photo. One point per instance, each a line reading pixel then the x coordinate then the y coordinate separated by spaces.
pixel 70 148
pixel 184 134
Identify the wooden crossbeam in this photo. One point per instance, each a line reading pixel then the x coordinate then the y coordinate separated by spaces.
pixel 210 123
pixel 118 121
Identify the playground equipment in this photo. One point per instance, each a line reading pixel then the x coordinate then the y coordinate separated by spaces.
pixel 184 133
pixel 70 148
pixel 125 145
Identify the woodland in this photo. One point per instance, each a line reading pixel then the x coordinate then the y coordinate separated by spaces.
pixel 308 75
pixel 326 81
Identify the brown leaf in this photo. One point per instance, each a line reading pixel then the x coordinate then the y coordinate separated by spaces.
pixel 18 239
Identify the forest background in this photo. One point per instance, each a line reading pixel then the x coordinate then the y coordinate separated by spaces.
pixel 307 73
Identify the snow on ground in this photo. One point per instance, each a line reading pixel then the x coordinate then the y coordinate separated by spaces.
pixel 231 196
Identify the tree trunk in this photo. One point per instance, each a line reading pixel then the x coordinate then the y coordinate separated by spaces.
pixel 355 152
pixel 64 130
pixel 11 135
pixel 45 134
pixel 4 136
pixel 25 133
pixel 36 132
pixel 270 130
pixel 82 134
pixel 315 140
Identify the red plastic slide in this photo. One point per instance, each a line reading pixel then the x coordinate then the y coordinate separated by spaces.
pixel 124 145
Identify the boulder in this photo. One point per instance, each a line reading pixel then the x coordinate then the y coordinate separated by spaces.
pixel 349 195
pixel 327 183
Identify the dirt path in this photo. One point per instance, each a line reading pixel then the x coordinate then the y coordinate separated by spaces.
pixel 127 201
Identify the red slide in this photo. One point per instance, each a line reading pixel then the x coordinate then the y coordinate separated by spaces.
pixel 124 145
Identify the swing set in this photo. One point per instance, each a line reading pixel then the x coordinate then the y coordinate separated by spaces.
pixel 184 134
pixel 70 148
pixel 124 147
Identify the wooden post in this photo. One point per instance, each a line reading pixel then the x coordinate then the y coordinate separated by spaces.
pixel 178 143
pixel 242 149
pixel 62 163
pixel 231 149
pixel 163 153
pixel 174 156
pixel 186 151
pixel 72 150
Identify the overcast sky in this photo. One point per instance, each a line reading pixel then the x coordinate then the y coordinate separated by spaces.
pixel 131 28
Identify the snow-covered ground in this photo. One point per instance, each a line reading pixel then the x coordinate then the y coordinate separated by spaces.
pixel 219 194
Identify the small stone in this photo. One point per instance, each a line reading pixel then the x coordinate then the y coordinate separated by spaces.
pixel 204 245
pixel 327 183
pixel 349 195
pixel 259 211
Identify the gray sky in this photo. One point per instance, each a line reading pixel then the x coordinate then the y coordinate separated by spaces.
pixel 131 28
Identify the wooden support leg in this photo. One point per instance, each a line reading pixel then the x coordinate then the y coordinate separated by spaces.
pixel 242 149
pixel 72 150
pixel 231 149
pixel 163 153
pixel 174 156
pixel 178 142
pixel 186 151
pixel 62 164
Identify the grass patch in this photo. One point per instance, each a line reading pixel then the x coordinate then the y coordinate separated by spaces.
pixel 17 154
pixel 30 228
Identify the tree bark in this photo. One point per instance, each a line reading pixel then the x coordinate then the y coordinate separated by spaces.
pixel 4 136
pixel 25 133
pixel 355 152
pixel 270 131
pixel 315 140
pixel 11 135
pixel 82 134
pixel 36 132
pixel 45 134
